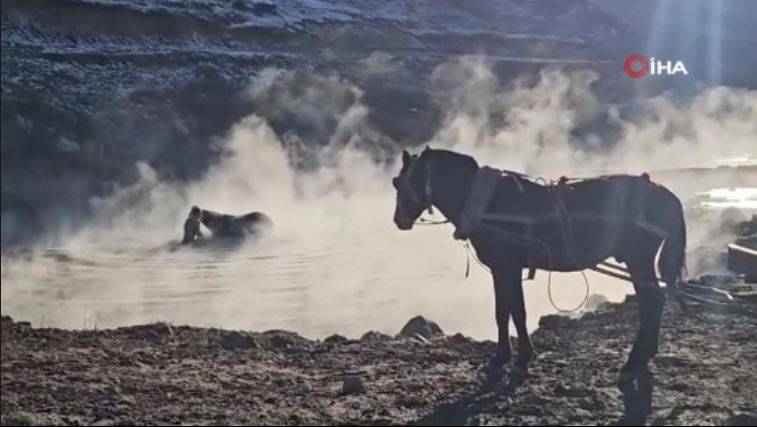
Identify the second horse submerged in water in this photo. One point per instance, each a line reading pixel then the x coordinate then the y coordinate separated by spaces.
pixel 225 226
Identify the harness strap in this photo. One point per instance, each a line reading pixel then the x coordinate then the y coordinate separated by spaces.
pixel 481 193
pixel 482 190
pixel 530 220
pixel 426 199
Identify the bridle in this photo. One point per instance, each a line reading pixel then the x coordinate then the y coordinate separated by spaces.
pixel 405 188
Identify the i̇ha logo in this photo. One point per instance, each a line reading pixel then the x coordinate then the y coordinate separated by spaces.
pixel 638 66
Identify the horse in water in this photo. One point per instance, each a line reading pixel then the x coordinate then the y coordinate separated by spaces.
pixel 514 223
pixel 225 226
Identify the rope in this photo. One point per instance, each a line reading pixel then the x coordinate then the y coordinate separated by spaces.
pixel 466 245
pixel 562 310
pixel 567 234
pixel 549 273
pixel 522 239
pixel 566 229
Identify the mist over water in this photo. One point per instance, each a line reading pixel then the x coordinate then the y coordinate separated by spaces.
pixel 335 263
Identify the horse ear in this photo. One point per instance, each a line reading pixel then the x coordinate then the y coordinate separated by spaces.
pixel 405 157
pixel 427 148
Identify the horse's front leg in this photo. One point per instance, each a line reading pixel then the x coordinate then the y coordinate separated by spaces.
pixel 502 314
pixel 513 284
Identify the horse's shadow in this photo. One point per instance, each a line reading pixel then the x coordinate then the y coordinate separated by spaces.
pixel 482 400
pixel 636 395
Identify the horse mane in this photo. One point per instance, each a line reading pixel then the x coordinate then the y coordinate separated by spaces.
pixel 211 214
pixel 520 178
pixel 447 155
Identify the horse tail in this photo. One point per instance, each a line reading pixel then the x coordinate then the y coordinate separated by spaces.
pixel 672 260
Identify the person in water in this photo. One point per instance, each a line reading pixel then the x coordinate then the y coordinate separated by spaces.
pixel 192 226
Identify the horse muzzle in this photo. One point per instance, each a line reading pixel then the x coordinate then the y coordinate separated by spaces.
pixel 402 224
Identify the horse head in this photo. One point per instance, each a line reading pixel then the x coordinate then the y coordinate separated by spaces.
pixel 211 220
pixel 441 178
pixel 413 189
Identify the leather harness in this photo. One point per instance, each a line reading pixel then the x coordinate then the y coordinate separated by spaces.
pixel 484 185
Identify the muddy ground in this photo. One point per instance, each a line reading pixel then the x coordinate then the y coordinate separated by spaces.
pixel 161 374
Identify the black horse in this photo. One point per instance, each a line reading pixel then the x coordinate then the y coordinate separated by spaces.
pixel 515 223
pixel 225 226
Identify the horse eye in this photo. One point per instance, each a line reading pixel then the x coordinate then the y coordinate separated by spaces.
pixel 396 183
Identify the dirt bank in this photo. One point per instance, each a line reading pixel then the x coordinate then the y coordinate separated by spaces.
pixel 160 374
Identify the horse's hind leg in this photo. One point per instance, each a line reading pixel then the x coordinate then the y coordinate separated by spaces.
pixel 651 301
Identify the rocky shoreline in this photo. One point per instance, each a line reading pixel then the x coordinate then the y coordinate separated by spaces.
pixel 164 374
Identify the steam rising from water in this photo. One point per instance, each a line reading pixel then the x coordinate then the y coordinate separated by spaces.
pixel 335 262
pixel 530 125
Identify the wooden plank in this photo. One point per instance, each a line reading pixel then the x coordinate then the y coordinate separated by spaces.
pixel 611 273
pixel 614 266
pixel 743 260
pixel 743 249
pixel 709 289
